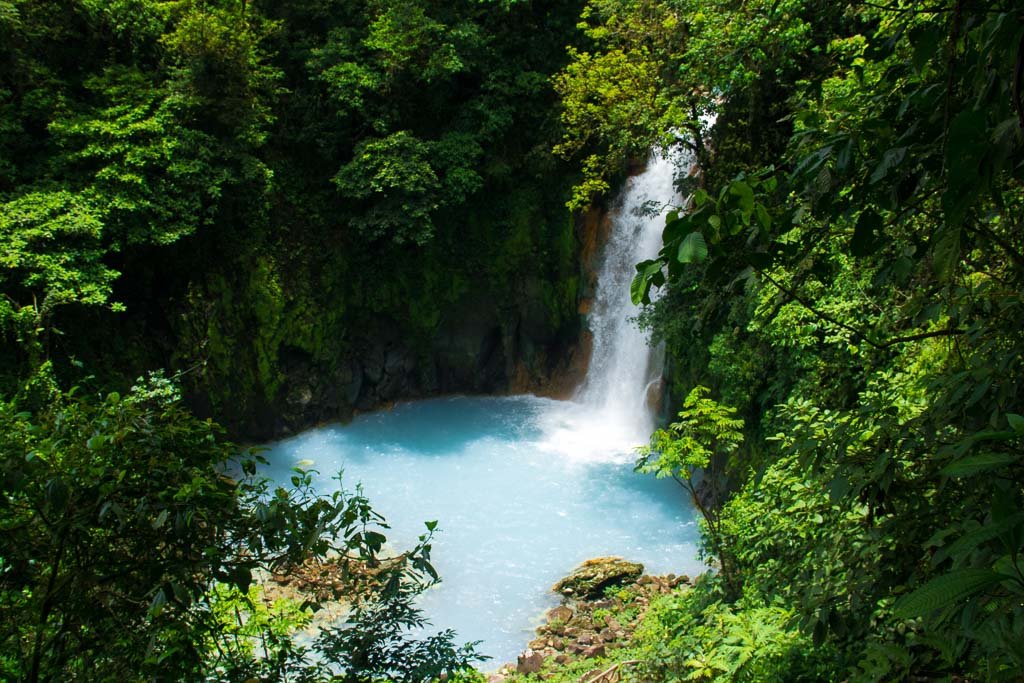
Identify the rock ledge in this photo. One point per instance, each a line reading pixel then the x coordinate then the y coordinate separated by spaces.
pixel 591 578
pixel 603 602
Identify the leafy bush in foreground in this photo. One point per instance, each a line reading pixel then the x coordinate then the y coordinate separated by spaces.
pixel 128 553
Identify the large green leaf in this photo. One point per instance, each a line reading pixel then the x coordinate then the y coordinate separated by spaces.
pixel 866 233
pixel 979 462
pixel 744 194
pixel 648 274
pixel 693 248
pixel 944 591
pixel 675 227
pixel 976 537
pixel 890 160
pixel 966 146
pixel 946 251
pixel 925 40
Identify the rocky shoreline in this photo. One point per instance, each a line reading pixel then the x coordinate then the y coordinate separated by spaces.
pixel 604 600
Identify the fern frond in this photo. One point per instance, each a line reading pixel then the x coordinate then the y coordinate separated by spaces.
pixel 945 590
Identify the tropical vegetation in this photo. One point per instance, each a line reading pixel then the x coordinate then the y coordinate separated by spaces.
pixel 265 214
pixel 840 300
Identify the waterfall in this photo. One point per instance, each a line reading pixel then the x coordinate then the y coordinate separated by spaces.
pixel 622 364
pixel 610 415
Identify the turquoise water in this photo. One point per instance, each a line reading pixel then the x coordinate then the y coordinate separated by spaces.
pixel 523 489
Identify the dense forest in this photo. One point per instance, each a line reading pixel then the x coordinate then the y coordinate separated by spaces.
pixel 842 307
pixel 269 214
pixel 301 207
pixel 264 215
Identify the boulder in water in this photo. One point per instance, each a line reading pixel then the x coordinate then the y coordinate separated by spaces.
pixel 593 576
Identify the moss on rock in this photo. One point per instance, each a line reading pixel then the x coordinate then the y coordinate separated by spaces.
pixel 593 576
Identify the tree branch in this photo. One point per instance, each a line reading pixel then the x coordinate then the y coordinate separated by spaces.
pixel 952 331
pixel 610 670
pixel 949 332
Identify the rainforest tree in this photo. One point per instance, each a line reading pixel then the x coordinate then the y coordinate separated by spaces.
pixel 235 173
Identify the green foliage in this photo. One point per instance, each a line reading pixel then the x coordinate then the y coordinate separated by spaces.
pixel 152 179
pixel 397 174
pixel 705 429
pixel 946 590
pixel 375 643
pixel 606 95
pixel 53 252
pixel 408 39
pixel 249 624
pixel 659 70
pixel 153 155
pixel 699 444
pixel 692 637
pixel 128 550
pixel 709 220
pixel 859 293
pixel 398 171
pixel 246 192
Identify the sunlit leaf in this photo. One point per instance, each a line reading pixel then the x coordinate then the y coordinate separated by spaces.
pixel 693 248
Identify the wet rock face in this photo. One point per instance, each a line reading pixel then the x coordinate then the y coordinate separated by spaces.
pixel 310 393
pixel 468 350
pixel 590 579
pixel 474 350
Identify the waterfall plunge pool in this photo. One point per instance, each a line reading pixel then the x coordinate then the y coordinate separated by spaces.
pixel 523 489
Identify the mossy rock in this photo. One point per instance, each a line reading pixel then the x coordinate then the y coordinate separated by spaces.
pixel 591 578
